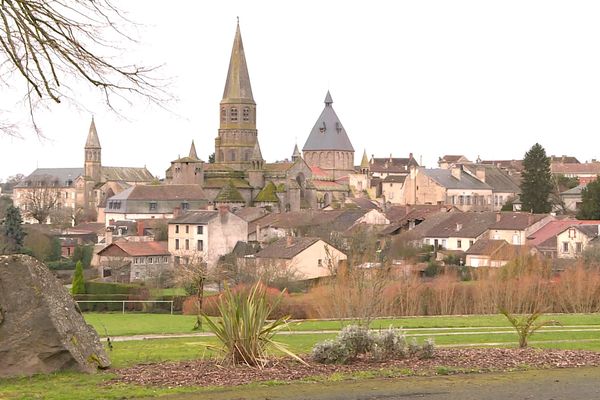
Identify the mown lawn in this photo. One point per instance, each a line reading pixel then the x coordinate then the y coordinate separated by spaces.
pixel 117 324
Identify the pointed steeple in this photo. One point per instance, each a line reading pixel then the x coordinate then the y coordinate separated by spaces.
pixel 92 140
pixel 365 161
pixel 193 153
pixel 256 153
pixel 237 86
pixel 296 154
pixel 328 99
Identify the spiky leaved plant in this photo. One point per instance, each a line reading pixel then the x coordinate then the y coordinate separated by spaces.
pixel 526 325
pixel 244 333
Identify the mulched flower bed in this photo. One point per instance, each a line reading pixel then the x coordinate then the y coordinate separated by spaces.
pixel 445 361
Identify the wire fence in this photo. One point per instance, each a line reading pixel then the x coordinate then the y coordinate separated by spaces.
pixel 123 302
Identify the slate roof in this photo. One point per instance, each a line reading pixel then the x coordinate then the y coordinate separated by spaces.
pixel 576 191
pixel 394 179
pixel 514 165
pixel 161 192
pixel 445 179
pixel 127 174
pixel 466 225
pixel 60 175
pixel 195 217
pixel 498 179
pixel 327 186
pixel 328 132
pixel 242 249
pixel 416 212
pixel 363 202
pixel 335 220
pixel 590 231
pixel 138 249
pixel 92 141
pixel 516 220
pixel 280 249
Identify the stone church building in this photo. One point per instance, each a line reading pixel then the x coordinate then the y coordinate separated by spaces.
pixel 241 177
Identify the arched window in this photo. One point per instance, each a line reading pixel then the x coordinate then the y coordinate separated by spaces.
pixel 223 114
pixel 233 114
pixel 246 114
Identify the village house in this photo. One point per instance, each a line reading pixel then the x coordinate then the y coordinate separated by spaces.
pixel 205 235
pixel 125 261
pixel 572 198
pixel 153 201
pixel 302 258
pixel 449 161
pixel 490 253
pixel 545 240
pixel 515 227
pixel 460 231
pixel 584 172
pixel 573 241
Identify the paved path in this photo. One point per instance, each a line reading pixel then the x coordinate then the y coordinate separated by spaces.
pixel 560 384
pixel 447 332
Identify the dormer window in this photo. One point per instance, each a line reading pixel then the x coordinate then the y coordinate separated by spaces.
pixel 234 114
pixel 185 205
pixel 153 206
pixel 323 128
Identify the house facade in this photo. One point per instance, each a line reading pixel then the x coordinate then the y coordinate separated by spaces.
pixel 204 236
pixel 124 261
pixel 573 241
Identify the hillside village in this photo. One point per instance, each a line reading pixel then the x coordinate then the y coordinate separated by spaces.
pixel 300 213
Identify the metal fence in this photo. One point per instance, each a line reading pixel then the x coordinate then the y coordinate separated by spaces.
pixel 127 301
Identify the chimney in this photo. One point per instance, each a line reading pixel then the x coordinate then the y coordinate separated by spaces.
pixel 458 227
pixel 456 172
pixel 140 228
pixel 288 241
pixel 390 157
pixel 108 236
pixel 258 233
pixel 498 217
pixel 480 173
pixel 177 212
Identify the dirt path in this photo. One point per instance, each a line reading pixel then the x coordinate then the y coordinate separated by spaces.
pixel 557 384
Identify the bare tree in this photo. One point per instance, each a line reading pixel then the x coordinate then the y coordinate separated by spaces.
pixel 48 42
pixel 40 201
pixel 191 272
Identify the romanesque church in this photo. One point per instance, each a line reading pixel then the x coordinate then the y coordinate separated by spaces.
pixel 240 176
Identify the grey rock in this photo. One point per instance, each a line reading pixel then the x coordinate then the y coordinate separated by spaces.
pixel 41 327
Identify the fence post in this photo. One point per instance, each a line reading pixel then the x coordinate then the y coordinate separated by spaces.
pixel 123 306
pixel 171 307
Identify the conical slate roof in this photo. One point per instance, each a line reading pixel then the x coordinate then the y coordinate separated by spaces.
pixel 296 152
pixel 237 86
pixel 92 140
pixel 193 153
pixel 328 132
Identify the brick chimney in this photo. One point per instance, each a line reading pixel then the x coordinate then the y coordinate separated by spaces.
pixel 140 228
pixel 177 212
pixel 108 236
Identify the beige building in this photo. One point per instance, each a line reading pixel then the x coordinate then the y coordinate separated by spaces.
pixel 573 241
pixel 515 227
pixel 124 261
pixel 305 258
pixel 490 253
pixel 205 235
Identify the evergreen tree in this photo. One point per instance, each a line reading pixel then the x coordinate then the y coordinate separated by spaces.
pixel 590 201
pixel 78 286
pixel 11 231
pixel 536 185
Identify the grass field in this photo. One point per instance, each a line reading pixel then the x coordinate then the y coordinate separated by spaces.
pixel 117 324
pixel 579 331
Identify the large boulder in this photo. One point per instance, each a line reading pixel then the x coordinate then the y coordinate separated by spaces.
pixel 41 328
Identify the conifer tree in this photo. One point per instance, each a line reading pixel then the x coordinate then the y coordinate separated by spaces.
pixel 536 185
pixel 590 201
pixel 11 232
pixel 78 286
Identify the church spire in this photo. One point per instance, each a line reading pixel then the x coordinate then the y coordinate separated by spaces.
pixel 193 153
pixel 92 140
pixel 328 99
pixel 365 160
pixel 296 155
pixel 237 86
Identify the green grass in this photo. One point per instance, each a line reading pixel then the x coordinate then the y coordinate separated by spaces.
pixel 118 324
pixel 73 385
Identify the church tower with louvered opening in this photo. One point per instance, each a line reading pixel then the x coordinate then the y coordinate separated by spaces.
pixel 237 137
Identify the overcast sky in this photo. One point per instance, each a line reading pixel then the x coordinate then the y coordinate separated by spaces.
pixel 487 78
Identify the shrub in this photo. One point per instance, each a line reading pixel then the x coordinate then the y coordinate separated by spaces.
pixel 357 339
pixel 244 334
pixel 330 352
pixel 389 344
pixel 61 265
pixel 526 325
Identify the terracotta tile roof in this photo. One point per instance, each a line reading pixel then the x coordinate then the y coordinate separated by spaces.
pixel 549 231
pixel 453 158
pixel 497 249
pixel 392 164
pixel 137 249
pixel 592 168
pixel 127 174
